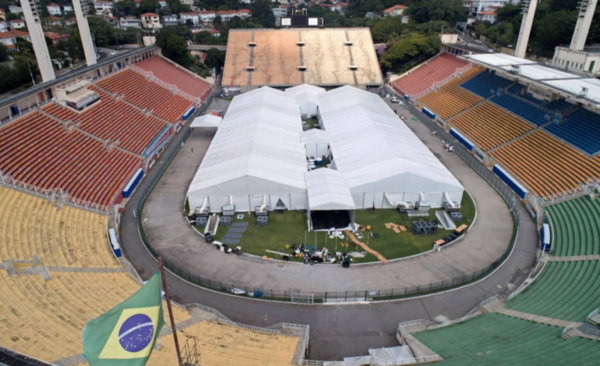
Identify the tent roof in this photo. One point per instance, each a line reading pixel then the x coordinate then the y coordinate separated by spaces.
pixel 315 136
pixel 327 190
pixel 305 88
pixel 370 143
pixel 207 120
pixel 259 137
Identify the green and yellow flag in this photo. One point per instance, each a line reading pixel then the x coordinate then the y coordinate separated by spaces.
pixel 125 335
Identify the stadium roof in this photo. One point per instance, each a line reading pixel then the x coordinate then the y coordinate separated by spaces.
pixel 573 85
pixel 257 57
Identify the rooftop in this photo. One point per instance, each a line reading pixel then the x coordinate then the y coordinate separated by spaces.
pixel 389 10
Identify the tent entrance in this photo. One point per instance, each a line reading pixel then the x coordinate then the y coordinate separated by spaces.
pixel 325 220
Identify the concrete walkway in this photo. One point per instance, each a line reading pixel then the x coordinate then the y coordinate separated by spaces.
pixel 345 330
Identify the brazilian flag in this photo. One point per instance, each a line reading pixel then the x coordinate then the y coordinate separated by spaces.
pixel 125 335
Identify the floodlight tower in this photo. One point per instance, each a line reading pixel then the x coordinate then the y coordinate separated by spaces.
pixel 36 33
pixel 529 7
pixel 587 8
pixel 84 32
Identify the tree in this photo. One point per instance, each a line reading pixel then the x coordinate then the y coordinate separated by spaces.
pixel 17 75
pixel 174 46
pixel 147 6
pixel 261 11
pixel 125 8
pixel 215 58
pixel 451 11
pixel 403 54
pixel 382 30
pixel 3 52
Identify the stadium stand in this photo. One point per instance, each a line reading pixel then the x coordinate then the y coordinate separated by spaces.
pixel 490 126
pixel 114 120
pixel 523 109
pixel 497 340
pixel 547 166
pixel 423 78
pixel 451 99
pixel 486 83
pixel 575 225
pixel 564 290
pixel 62 238
pixel 145 94
pixel 274 55
pixel 172 74
pixel 559 105
pixel 38 150
pixel 581 129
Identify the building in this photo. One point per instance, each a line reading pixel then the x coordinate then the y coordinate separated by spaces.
pixel 394 11
pixel 15 9
pixel 100 6
pixel 207 15
pixel 4 27
pixel 70 21
pixel 244 13
pixel 2 14
pixel 129 22
pixel 191 17
pixel 68 8
pixel 162 3
pixel 477 6
pixel 170 20
pixel 279 12
pixel 151 21
pixel 260 157
pixel 54 9
pixel 54 20
pixel 487 16
pixel 189 3
pixel 17 24
pixel 9 39
pixel 214 32
pixel 56 37
pixel 329 57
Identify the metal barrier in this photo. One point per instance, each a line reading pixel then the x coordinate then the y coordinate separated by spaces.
pixel 344 296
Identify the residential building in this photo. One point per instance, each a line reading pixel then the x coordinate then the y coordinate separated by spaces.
pixel 151 21
pixel 170 20
pixel 17 24
pixel 54 9
pixel 207 15
pixel 68 9
pixel 192 17
pixel 244 13
pixel 15 9
pixel 100 6
pixel 53 20
pixel 190 3
pixel 4 27
pixel 477 6
pixel 9 39
pixel 246 1
pixel 137 3
pixel 395 11
pixel 70 21
pixel 487 16
pixel 2 14
pixel 129 22
pixel 279 12
pixel 214 32
pixel 56 37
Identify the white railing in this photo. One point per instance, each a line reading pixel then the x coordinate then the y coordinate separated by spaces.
pixel 52 195
pixel 586 188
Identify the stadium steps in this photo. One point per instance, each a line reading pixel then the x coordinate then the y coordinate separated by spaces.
pixel 534 318
pixel 575 258
pixel 518 137
pixel 576 231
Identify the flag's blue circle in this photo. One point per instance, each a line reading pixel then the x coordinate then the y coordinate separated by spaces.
pixel 136 333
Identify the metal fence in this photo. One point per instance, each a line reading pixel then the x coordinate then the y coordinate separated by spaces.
pixel 343 296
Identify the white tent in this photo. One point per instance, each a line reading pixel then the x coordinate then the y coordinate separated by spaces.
pixel 327 190
pixel 256 152
pixel 379 154
pixel 207 120
pixel 307 97
pixel 316 142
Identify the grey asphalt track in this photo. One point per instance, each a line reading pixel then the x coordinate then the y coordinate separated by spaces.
pixel 339 331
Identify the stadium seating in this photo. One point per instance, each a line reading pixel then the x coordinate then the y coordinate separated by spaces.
pixel 142 93
pixel 502 340
pixel 172 74
pixel 490 126
pixel 581 129
pixel 113 120
pixel 576 230
pixel 486 83
pixel 523 109
pixel 423 78
pixel 61 238
pixel 546 165
pixel 559 105
pixel 451 99
pixel 221 344
pixel 564 290
pixel 40 151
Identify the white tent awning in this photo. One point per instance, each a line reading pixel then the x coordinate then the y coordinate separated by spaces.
pixel 327 190
pixel 207 120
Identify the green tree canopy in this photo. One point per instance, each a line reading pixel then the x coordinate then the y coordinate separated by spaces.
pixel 410 50
pixel 449 10
pixel 172 41
pixel 261 11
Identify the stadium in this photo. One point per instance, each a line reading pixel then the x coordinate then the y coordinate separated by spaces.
pixel 307 220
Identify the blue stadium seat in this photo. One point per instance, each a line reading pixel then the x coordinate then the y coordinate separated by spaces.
pixel 486 83
pixel 521 108
pixel 581 129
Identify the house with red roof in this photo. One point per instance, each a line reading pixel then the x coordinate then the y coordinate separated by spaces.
pixel 395 11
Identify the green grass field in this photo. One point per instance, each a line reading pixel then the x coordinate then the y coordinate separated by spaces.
pixel 290 228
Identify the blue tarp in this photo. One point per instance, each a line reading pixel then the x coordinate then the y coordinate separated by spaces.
pixel 133 183
pixel 463 140
pixel 114 242
pixel 428 113
pixel 189 112
pixel 545 235
pixel 519 190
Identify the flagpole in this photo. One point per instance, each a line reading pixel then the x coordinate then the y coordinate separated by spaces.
pixel 173 325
